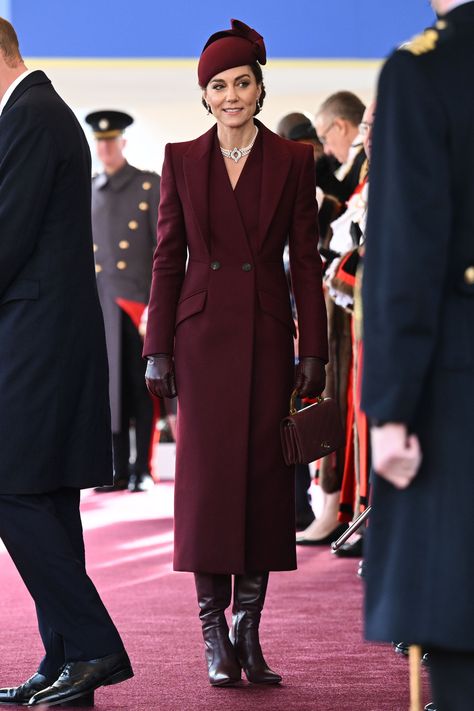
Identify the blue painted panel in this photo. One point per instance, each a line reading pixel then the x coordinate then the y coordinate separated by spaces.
pixel 5 9
pixel 154 28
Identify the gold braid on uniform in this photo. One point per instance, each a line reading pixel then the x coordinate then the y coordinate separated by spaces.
pixel 428 40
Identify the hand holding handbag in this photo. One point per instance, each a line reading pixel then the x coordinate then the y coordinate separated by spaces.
pixel 311 433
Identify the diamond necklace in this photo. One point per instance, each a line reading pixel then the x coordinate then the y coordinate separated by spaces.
pixel 237 153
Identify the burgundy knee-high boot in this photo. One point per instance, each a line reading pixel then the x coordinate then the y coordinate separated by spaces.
pixel 249 597
pixel 214 596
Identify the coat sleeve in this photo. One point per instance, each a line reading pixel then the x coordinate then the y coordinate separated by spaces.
pixel 169 263
pixel 27 172
pixel 305 266
pixel 408 235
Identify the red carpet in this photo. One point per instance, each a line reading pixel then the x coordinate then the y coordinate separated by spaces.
pixel 311 628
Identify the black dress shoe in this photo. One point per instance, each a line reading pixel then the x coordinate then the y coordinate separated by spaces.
pixel 362 569
pixel 78 679
pixel 85 701
pixel 20 695
pixel 430 707
pixel 350 550
pixel 326 541
pixel 118 485
pixel 141 482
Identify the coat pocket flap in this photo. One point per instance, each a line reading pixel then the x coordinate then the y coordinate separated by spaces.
pixel 190 305
pixel 23 289
pixel 277 307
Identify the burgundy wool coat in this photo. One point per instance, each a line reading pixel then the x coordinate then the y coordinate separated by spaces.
pixel 220 303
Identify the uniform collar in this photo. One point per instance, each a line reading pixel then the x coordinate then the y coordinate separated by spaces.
pixel 460 10
pixel 457 3
pixel 117 181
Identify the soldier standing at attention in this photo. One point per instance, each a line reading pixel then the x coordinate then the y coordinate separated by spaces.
pixel 124 215
pixel 418 388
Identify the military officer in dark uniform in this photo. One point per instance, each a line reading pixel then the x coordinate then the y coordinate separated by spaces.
pixel 124 215
pixel 418 385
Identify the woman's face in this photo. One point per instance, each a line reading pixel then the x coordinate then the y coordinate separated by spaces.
pixel 232 96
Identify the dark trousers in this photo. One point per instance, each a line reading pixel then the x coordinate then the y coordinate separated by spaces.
pixel 452 680
pixel 43 535
pixel 136 405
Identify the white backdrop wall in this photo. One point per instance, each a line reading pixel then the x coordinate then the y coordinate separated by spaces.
pixel 165 100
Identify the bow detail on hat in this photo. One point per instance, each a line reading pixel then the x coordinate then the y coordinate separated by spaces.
pixel 240 29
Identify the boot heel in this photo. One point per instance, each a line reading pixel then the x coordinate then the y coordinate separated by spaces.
pixel 249 597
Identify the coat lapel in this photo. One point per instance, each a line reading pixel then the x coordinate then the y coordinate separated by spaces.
pixel 196 165
pixel 276 165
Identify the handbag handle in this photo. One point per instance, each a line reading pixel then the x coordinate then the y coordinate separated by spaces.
pixel 293 397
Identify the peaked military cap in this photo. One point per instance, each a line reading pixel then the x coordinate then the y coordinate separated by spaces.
pixel 108 124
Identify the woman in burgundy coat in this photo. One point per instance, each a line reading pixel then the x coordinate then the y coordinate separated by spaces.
pixel 220 333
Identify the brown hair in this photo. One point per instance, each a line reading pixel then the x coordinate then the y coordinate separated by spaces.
pixel 258 74
pixel 9 44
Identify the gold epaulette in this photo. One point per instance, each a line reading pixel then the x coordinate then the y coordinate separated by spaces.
pixel 421 44
pixel 427 41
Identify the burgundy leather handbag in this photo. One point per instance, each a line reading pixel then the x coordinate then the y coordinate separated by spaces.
pixel 311 433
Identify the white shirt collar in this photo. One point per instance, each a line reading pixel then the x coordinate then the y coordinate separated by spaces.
pixel 12 88
pixel 356 145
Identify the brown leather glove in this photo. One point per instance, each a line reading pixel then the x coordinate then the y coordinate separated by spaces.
pixel 159 375
pixel 310 379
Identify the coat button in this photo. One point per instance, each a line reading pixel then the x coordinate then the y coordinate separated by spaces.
pixel 215 266
pixel 96 247
pixel 146 185
pixel 121 265
pixel 98 268
pixel 123 244
pixel 143 206
pixel 469 275
pixel 133 225
pixel 246 267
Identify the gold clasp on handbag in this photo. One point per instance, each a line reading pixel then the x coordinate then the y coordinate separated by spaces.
pixel 293 397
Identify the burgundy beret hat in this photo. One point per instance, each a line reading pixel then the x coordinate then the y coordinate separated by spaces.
pixel 239 46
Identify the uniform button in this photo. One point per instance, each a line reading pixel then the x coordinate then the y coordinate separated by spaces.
pixel 95 248
pixel 146 185
pixel 121 265
pixel 98 268
pixel 133 225
pixel 469 275
pixel 143 206
pixel 215 266
pixel 123 244
pixel 246 267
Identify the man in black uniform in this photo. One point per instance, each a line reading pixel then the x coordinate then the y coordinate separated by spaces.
pixel 124 215
pixel 54 406
pixel 418 385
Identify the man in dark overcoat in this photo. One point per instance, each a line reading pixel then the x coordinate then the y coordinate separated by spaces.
pixel 419 353
pixel 54 409
pixel 124 215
